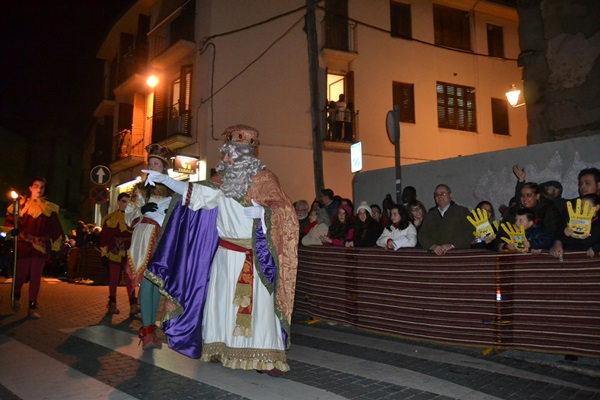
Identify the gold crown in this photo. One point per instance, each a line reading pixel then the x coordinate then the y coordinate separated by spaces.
pixel 242 134
pixel 160 152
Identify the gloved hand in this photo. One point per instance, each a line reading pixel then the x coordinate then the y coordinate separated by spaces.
pixel 580 220
pixel 255 211
pixel 154 177
pixel 517 236
pixel 14 232
pixel 105 261
pixel 150 207
pixel 482 225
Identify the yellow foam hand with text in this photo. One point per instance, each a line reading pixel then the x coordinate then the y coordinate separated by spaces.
pixel 482 225
pixel 580 220
pixel 516 236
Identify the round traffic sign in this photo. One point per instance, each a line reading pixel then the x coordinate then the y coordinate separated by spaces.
pixel 100 175
pixel 99 194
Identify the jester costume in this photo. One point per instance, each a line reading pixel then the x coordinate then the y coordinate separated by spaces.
pixel 115 239
pixel 40 233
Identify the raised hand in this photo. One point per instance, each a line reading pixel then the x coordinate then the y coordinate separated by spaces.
pixel 483 228
pixel 580 220
pixel 516 236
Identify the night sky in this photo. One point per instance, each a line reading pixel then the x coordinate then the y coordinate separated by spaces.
pixel 49 65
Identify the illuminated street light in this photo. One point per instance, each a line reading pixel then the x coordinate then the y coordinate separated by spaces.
pixel 152 81
pixel 513 96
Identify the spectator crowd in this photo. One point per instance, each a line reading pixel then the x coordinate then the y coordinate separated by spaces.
pixel 536 219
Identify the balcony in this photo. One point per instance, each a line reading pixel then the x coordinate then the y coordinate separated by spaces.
pixel 173 54
pixel 339 44
pixel 128 150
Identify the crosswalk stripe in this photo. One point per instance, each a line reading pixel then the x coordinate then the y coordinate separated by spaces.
pixel 32 375
pixel 429 354
pixel 243 383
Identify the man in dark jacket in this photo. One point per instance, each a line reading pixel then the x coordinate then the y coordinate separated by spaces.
pixel 445 227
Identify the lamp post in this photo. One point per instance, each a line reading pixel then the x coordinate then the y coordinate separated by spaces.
pixel 15 196
pixel 513 96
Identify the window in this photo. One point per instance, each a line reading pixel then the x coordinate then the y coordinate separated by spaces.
pixel 456 107
pixel 452 27
pixel 500 117
pixel 336 24
pixel 403 94
pixel 340 114
pixel 495 40
pixel 400 22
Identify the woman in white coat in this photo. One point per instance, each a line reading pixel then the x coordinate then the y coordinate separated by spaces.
pixel 400 232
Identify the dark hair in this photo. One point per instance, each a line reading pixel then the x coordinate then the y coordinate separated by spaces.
pixel 404 217
pixel 527 212
pixel 33 180
pixel 121 195
pixel 481 203
pixel 590 171
pixel 37 179
pixel 376 206
pixel 592 197
pixel 328 193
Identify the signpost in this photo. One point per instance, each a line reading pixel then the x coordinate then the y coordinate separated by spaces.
pixel 392 123
pixel 100 175
pixel 99 194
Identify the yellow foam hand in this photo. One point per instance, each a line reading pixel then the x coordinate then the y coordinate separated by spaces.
pixel 482 225
pixel 580 220
pixel 516 236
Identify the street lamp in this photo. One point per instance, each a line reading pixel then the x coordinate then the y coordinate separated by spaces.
pixel 513 96
pixel 152 81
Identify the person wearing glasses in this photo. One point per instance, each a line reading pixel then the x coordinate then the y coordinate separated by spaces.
pixel 445 227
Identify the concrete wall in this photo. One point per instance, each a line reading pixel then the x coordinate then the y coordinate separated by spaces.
pixel 486 176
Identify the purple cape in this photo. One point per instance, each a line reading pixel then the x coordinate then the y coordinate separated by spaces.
pixel 180 267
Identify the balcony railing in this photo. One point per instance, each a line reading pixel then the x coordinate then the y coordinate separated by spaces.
pixel 340 126
pixel 339 34
pixel 127 144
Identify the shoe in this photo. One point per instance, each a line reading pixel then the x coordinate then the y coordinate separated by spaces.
pixel 33 314
pixel 148 338
pixel 134 309
pixel 112 308
pixel 275 373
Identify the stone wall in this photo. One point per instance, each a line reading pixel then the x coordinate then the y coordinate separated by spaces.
pixel 560 48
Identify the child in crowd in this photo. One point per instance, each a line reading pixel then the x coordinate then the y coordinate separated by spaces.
pixel 536 236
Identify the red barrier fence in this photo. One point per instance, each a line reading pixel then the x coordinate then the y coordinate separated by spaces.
pixel 467 297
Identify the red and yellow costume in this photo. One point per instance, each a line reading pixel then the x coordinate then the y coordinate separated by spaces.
pixel 40 233
pixel 115 240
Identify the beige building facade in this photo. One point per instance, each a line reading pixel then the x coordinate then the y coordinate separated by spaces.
pixel 447 63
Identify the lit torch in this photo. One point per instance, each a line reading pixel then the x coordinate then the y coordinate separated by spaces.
pixel 15 196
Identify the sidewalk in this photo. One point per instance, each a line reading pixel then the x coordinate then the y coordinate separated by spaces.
pixel 76 351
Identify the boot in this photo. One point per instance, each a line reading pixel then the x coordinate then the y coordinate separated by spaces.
pixel 149 339
pixel 33 314
pixel 134 307
pixel 112 306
